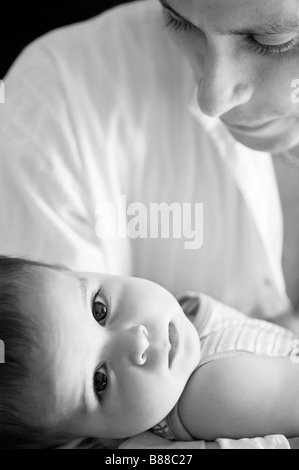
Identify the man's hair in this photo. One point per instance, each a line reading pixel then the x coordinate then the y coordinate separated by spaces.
pixel 19 333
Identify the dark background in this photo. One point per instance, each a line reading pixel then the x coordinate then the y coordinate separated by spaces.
pixel 22 22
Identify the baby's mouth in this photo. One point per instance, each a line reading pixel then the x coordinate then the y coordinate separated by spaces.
pixel 174 343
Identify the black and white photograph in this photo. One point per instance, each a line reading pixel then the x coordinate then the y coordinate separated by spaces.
pixel 149 227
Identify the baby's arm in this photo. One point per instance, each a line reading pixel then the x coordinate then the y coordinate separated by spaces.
pixel 242 396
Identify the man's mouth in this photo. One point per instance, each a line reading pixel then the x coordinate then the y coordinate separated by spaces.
pixel 249 127
pixel 173 341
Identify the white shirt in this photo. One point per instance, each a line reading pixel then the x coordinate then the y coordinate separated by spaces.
pixel 106 108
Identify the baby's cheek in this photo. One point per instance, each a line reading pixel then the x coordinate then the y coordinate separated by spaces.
pixel 197 352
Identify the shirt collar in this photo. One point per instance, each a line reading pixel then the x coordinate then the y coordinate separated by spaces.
pixel 254 175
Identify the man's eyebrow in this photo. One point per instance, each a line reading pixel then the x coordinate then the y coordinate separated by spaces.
pixel 288 25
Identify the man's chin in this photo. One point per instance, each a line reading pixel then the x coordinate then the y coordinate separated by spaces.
pixel 274 144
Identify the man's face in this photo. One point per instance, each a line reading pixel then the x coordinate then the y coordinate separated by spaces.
pixel 116 352
pixel 245 55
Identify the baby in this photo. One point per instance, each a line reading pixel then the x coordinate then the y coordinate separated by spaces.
pixel 94 355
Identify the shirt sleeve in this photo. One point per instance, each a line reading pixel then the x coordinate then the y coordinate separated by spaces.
pixel 45 210
pixel 268 442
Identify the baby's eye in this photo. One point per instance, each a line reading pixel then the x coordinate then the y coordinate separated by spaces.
pixel 100 382
pixel 99 311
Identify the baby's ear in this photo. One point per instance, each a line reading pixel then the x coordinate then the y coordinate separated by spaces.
pixel 190 303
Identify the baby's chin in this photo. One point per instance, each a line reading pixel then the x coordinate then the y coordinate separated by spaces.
pixel 192 346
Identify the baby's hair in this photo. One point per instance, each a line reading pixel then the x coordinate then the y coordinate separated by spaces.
pixel 19 334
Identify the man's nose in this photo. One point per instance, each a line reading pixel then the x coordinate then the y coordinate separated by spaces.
pixel 129 344
pixel 223 84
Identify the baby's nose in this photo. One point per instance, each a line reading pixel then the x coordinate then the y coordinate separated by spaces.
pixel 140 345
pixel 133 344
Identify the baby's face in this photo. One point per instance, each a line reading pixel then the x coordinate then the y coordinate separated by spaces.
pixel 116 352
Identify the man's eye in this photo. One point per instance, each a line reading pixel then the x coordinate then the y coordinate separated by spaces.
pixel 176 24
pixel 100 382
pixel 99 311
pixel 271 50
